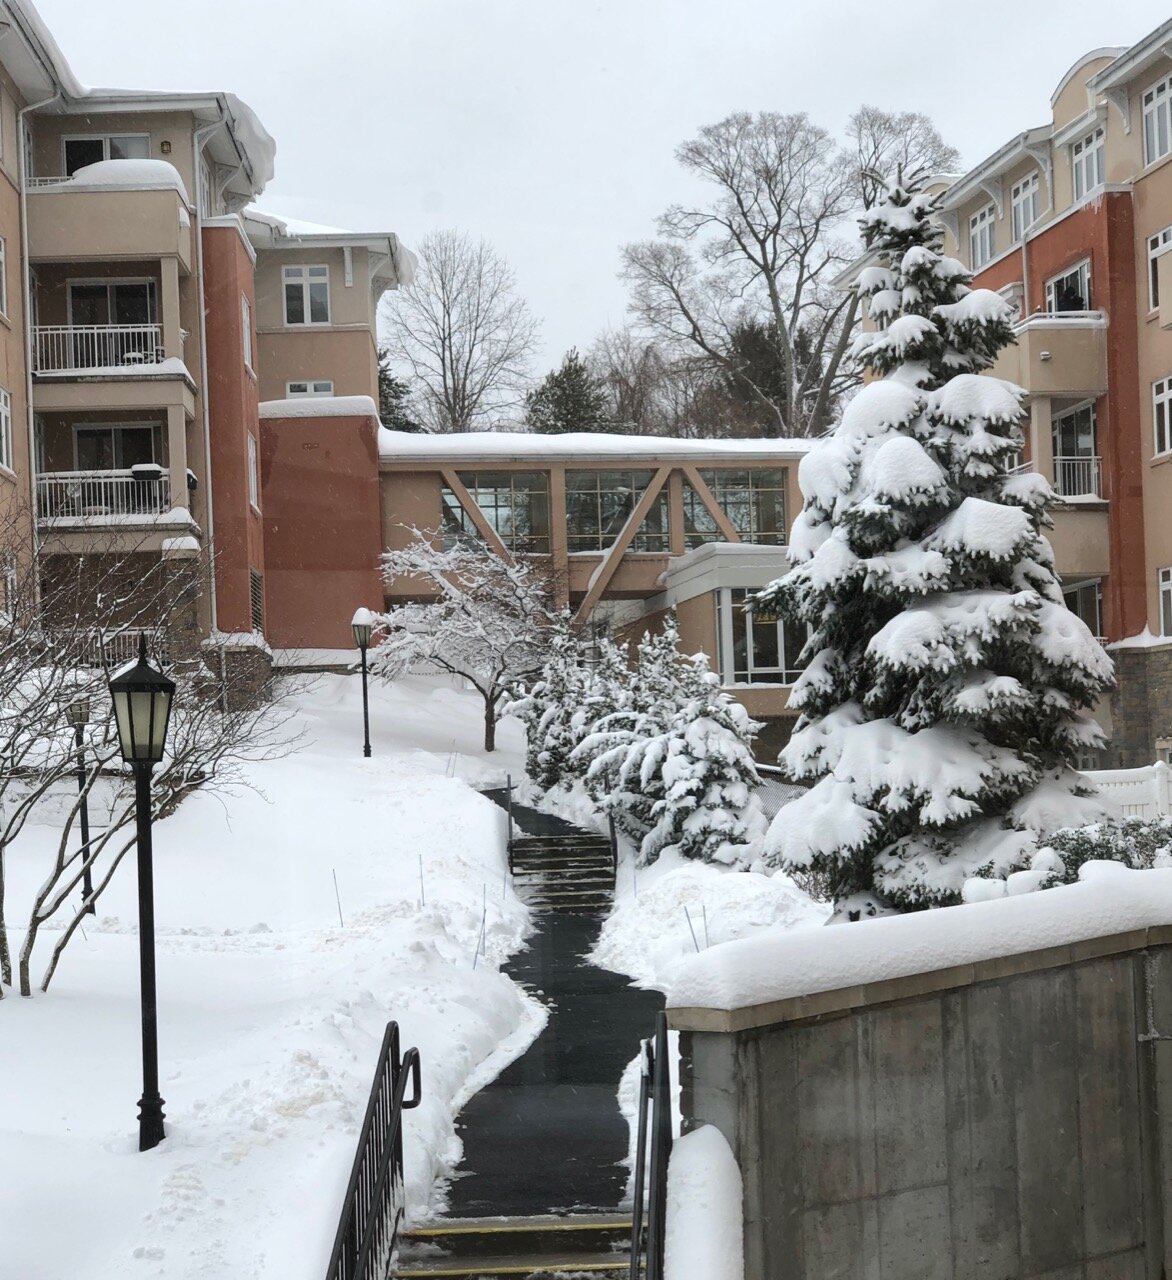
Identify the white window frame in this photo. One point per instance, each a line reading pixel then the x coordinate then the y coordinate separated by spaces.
pixel 246 327
pixel 1083 268
pixel 104 139
pixel 1157 119
pixel 1025 197
pixel 1164 579
pixel 310 389
pixel 1155 244
pixel 1088 161
pixel 253 472
pixel 730 615
pixel 6 458
pixel 298 273
pixel 983 234
pixel 1162 431
pixel 1073 589
pixel 153 427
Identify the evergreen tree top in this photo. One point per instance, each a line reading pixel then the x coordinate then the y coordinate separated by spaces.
pixel 570 398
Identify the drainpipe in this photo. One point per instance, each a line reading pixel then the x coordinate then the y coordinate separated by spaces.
pixel 27 300
pixel 198 139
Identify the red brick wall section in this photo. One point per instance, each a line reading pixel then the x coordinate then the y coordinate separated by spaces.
pixel 232 410
pixel 320 496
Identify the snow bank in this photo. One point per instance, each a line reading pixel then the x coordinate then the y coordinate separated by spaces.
pixel 396 445
pixel 139 174
pixel 778 965
pixel 320 407
pixel 659 908
pixel 171 367
pixel 705 1222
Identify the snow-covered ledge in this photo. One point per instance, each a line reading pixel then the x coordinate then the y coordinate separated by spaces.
pixel 781 976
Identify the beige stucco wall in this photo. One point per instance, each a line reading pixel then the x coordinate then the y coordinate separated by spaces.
pixel 175 127
pixel 1080 541
pixel 68 225
pixel 349 305
pixel 348 357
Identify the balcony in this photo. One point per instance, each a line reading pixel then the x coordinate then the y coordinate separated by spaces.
pixel 81 498
pixel 60 348
pixel 1064 354
pixel 1077 477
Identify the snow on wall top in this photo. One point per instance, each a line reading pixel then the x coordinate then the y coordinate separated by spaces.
pixel 320 407
pixel 138 174
pixel 398 446
pixel 782 964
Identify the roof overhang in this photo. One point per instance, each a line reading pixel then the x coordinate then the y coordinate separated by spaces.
pixel 1152 50
pixel 391 265
pixel 986 177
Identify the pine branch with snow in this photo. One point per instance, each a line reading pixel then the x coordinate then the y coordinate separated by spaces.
pixel 946 689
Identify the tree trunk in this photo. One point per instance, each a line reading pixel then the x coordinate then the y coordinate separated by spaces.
pixel 5 955
pixel 489 725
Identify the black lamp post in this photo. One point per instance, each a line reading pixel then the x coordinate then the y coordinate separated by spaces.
pixel 142 697
pixel 362 625
pixel 78 715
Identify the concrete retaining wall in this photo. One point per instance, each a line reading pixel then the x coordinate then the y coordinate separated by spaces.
pixel 1014 1124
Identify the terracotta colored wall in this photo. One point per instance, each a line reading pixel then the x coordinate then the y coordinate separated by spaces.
pixel 232 407
pixel 320 494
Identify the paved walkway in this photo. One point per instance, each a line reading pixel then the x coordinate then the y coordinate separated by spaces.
pixel 547 1135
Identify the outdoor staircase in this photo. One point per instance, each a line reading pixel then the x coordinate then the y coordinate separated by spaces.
pixel 587 1245
pixel 563 872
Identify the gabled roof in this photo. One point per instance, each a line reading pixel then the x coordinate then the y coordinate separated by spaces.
pixel 1152 49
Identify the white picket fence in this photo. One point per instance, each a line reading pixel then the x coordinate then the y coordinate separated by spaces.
pixel 1139 793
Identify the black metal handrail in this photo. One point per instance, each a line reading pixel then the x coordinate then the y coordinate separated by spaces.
pixel 373 1205
pixel 509 810
pixel 655 1115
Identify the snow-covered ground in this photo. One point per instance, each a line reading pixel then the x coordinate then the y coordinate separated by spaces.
pixel 271 1012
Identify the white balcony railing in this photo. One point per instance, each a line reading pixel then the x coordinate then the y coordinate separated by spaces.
pixel 110 649
pixel 95 346
pixel 1075 476
pixel 96 495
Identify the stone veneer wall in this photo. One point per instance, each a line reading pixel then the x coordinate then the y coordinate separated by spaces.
pixel 1011 1120
pixel 1141 705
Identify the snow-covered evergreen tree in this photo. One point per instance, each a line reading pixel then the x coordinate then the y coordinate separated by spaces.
pixel 945 693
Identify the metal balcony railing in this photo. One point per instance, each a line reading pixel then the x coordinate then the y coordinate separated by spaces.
pixel 59 347
pixel 1077 475
pixel 95 495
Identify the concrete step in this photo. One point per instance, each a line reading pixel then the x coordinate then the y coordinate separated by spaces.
pixel 595 1245
pixel 599 1266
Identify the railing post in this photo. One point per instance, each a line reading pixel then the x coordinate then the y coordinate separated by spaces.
pixel 660 1153
pixel 614 846
pixel 509 810
pixel 646 1058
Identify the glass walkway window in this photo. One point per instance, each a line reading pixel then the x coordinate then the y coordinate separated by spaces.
pixel 515 504
pixel 599 503
pixel 753 500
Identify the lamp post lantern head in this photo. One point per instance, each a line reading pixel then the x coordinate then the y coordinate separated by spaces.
pixel 142 697
pixel 362 625
pixel 77 713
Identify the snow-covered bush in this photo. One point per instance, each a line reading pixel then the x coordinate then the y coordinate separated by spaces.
pixel 946 684
pixel 1138 843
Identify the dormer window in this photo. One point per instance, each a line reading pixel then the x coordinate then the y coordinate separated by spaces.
pixel 1087 163
pixel 1157 103
pixel 981 237
pixel 1025 205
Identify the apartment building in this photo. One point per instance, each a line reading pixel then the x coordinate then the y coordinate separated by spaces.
pixel 1071 221
pixel 147 311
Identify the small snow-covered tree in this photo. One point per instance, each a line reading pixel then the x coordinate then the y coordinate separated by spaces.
pixel 702 771
pixel 569 398
pixel 480 617
pixel 946 688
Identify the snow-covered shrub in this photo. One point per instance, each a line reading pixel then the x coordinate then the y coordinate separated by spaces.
pixel 1138 843
pixel 944 696
pixel 549 706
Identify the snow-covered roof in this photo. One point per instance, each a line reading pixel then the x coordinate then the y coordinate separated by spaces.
pixel 320 407
pixel 780 964
pixel 276 231
pixel 579 446
pixel 147 370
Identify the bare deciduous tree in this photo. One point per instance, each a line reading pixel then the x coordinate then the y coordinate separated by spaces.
pixel 463 332
pixel 889 141
pixel 763 250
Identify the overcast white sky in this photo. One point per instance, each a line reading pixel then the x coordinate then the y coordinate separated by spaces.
pixel 548 126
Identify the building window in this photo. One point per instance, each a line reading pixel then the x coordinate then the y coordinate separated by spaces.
pixel 3 276
pixel 1166 602
pixel 1162 414
pixel 753 500
pixel 253 473
pixel 256 600
pixel 515 504
pixel 1086 601
pixel 1157 121
pixel 1071 291
pixel 1076 459
pixel 1155 244
pixel 1086 160
pixel 114 447
pixel 5 429
pixel 1024 205
pixel 307 295
pixel 599 503
pixel 981 227
pixel 301 390
pixel 246 329
pixel 79 152
pixel 760 647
